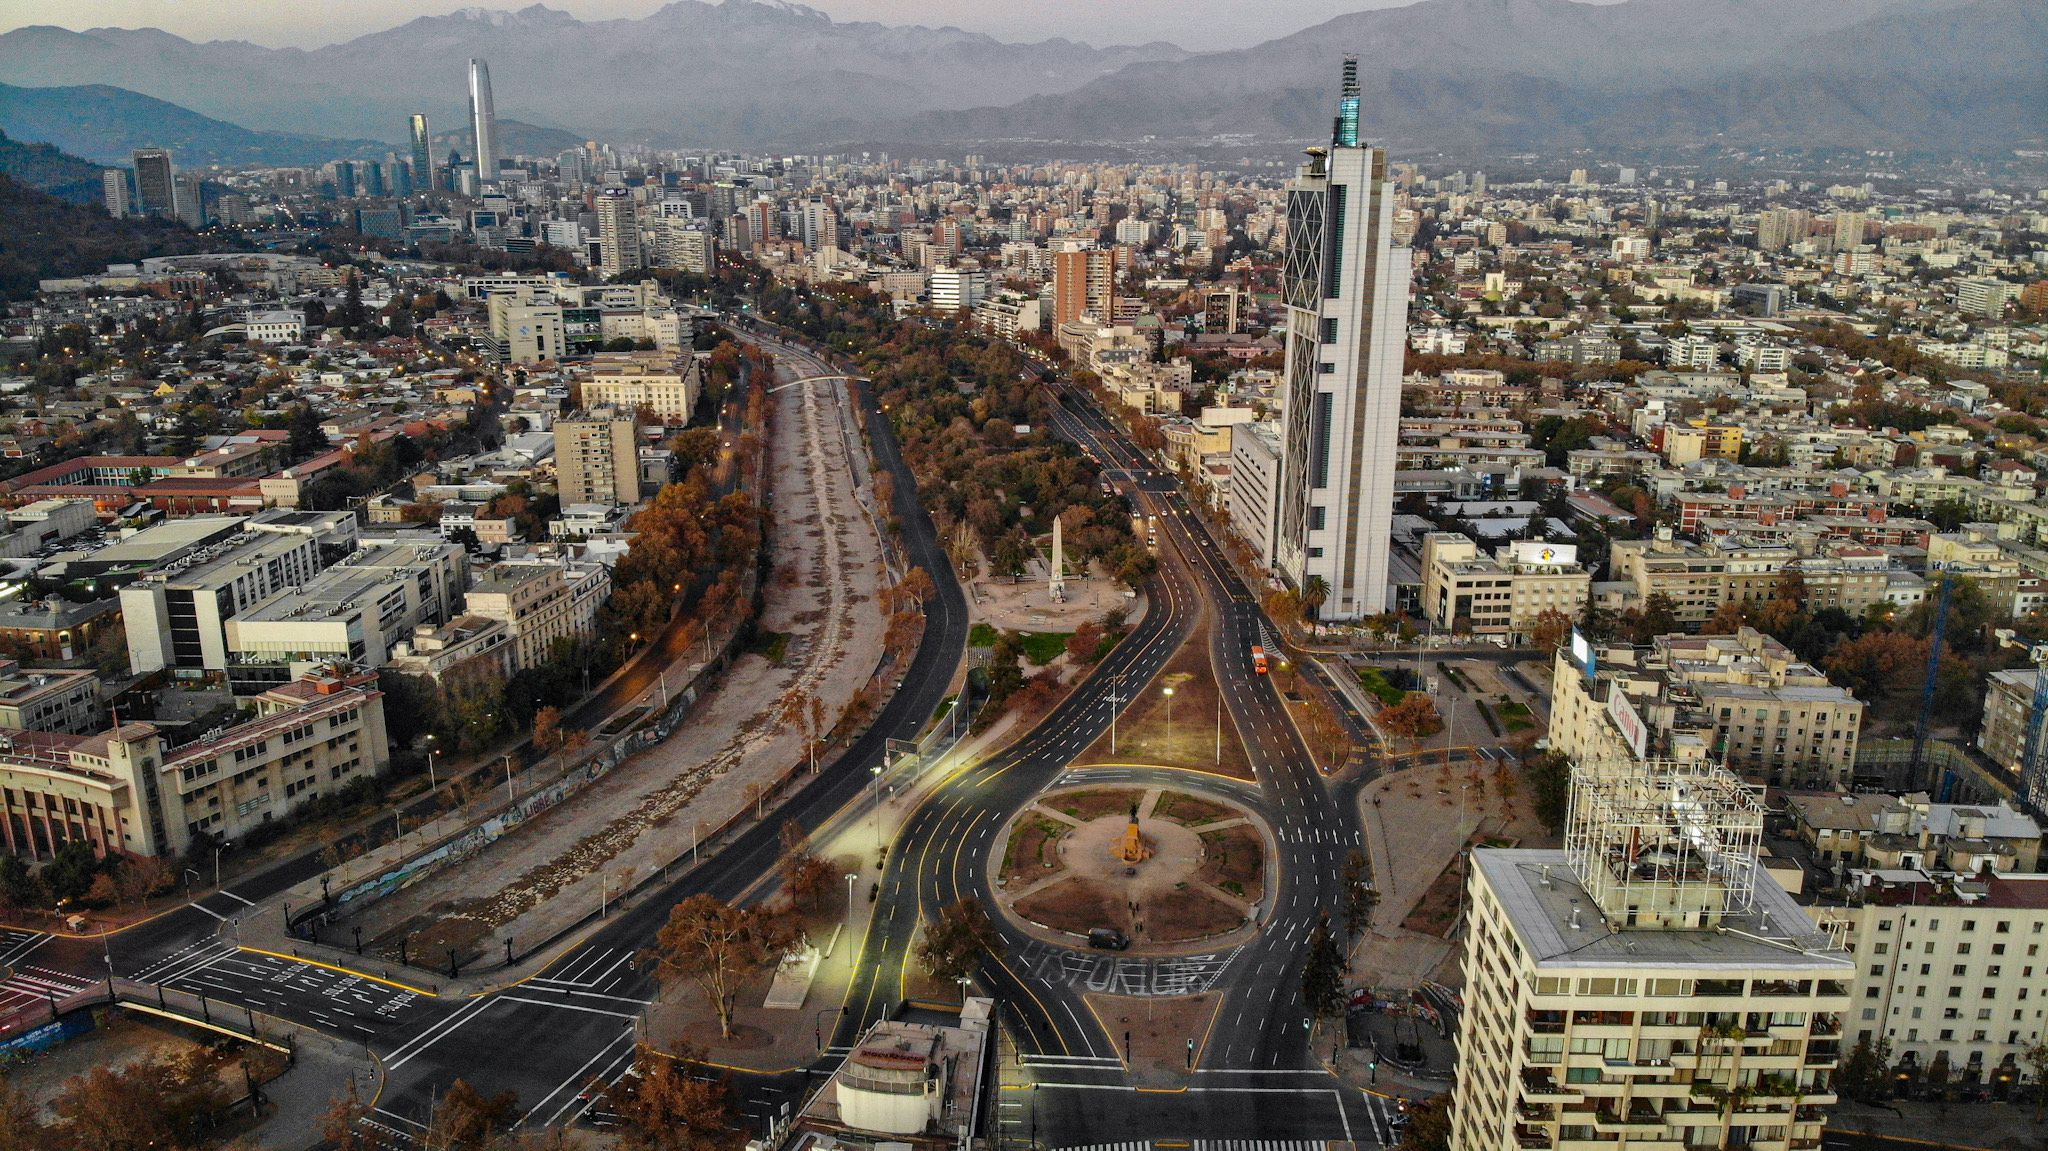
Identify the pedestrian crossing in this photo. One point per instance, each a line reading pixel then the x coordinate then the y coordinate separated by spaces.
pixel 27 983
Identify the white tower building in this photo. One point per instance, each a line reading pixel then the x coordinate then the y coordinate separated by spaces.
pixel 483 119
pixel 1345 285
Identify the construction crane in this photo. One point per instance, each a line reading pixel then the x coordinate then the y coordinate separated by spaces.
pixel 2033 773
pixel 1927 689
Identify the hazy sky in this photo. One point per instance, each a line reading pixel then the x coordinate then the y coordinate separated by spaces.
pixel 1199 24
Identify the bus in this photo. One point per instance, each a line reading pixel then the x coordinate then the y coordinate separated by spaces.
pixel 1258 660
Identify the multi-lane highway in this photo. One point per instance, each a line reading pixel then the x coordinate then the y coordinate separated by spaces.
pixel 547 1037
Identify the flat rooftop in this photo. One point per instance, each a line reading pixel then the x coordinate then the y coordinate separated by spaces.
pixel 1774 933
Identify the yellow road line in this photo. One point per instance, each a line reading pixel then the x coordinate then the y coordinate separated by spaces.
pixel 345 971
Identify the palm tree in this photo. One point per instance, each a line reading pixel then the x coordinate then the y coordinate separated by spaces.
pixel 1315 592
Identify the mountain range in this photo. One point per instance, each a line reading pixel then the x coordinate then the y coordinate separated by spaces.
pixel 106 124
pixel 1932 75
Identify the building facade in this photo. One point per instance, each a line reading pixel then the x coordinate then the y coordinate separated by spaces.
pixel 1345 286
pixel 597 458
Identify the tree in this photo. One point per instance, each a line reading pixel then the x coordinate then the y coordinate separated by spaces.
pixel 1358 894
pixel 1429 1125
pixel 717 946
pixel 1551 628
pixel 547 728
pixel 21 1122
pixel 1414 717
pixel 1867 1072
pixel 954 942
pixel 2036 1059
pixel 1315 592
pixel 1550 784
pixel 467 1120
pixel 154 1102
pixel 341 1125
pixel 662 1107
pixel 1322 974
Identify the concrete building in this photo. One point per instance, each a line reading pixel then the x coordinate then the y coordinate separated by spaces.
pixel 618 233
pixel 115 194
pixel 666 385
pixel 1949 971
pixel 351 615
pixel 1254 481
pixel 1744 699
pixel 1084 283
pixel 523 331
pixel 953 289
pixel 542 601
pixel 177 617
pixel 1345 287
pixel 909 1086
pixel 49 700
pixel 1848 830
pixel 1645 986
pixel 275 327
pixel 57 630
pixel 156 183
pixel 467 650
pixel 1008 313
pixel 483 122
pixel 597 457
pixel 126 789
pixel 1503 595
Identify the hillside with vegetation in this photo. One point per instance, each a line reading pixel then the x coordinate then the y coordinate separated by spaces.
pixel 49 169
pixel 47 237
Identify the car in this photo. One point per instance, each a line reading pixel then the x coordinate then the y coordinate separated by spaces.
pixel 1108 939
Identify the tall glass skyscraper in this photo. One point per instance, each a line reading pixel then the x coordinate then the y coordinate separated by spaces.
pixel 483 118
pixel 1345 285
pixel 156 186
pixel 422 153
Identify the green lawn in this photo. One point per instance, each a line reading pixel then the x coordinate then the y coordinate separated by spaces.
pixel 1375 681
pixel 1515 716
pixel 1043 647
pixel 771 644
pixel 981 635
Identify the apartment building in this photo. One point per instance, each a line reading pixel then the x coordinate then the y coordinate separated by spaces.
pixel 1743 699
pixel 126 789
pixel 666 385
pixel 542 601
pixel 1846 830
pixel 1950 971
pixel 524 330
pixel 1503 595
pixel 1006 313
pixel 1644 985
pixel 1254 481
pixel 597 458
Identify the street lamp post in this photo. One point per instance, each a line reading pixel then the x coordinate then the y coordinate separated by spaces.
pixel 1219 725
pixel 877 769
pixel 223 845
pixel 433 778
pixel 1169 715
pixel 850 877
pixel 510 795
pixel 1116 700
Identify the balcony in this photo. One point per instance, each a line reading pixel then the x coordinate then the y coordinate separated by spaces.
pixel 1827 1024
pixel 1635 1122
pixel 1545 1089
pixel 1532 1141
pixel 1641 1068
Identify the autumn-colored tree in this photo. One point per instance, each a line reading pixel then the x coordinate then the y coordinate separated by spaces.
pixel 465 1119
pixel 547 729
pixel 1414 717
pixel 1877 663
pixel 718 946
pixel 662 1107
pixel 1550 629
pixel 917 584
pixel 955 941
pixel 341 1125
pixel 1429 1125
pixel 1084 642
pixel 1727 619
pixel 21 1120
pixel 154 1102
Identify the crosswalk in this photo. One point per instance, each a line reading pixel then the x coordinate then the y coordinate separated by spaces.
pixel 27 983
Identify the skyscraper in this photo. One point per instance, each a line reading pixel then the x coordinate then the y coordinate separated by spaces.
pixel 422 153
pixel 483 120
pixel 1083 280
pixel 114 185
pixel 618 232
pixel 156 185
pixel 1345 286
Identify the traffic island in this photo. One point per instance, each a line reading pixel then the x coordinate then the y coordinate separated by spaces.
pixel 1152 869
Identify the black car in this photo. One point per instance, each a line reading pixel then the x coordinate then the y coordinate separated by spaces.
pixel 1108 939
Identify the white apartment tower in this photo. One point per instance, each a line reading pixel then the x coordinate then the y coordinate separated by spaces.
pixel 1346 289
pixel 1648 986
pixel 483 120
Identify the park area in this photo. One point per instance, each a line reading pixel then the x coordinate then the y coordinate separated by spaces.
pixel 1188 728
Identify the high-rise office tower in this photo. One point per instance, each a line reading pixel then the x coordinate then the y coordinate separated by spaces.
pixel 483 120
pixel 1649 985
pixel 422 153
pixel 618 232
pixel 820 225
pixel 156 185
pixel 114 185
pixel 345 179
pixel 1345 286
pixel 1083 280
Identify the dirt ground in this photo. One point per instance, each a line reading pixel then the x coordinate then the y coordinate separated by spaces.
pixel 1144 734
pixel 1159 1030
pixel 1026 604
pixel 120 1040
pixel 823 597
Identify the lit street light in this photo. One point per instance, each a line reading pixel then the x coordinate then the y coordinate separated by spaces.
pixel 1169 715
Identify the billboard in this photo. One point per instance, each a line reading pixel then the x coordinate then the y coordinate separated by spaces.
pixel 1582 653
pixel 1633 731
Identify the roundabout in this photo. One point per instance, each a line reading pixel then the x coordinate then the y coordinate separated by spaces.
pixel 1162 866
